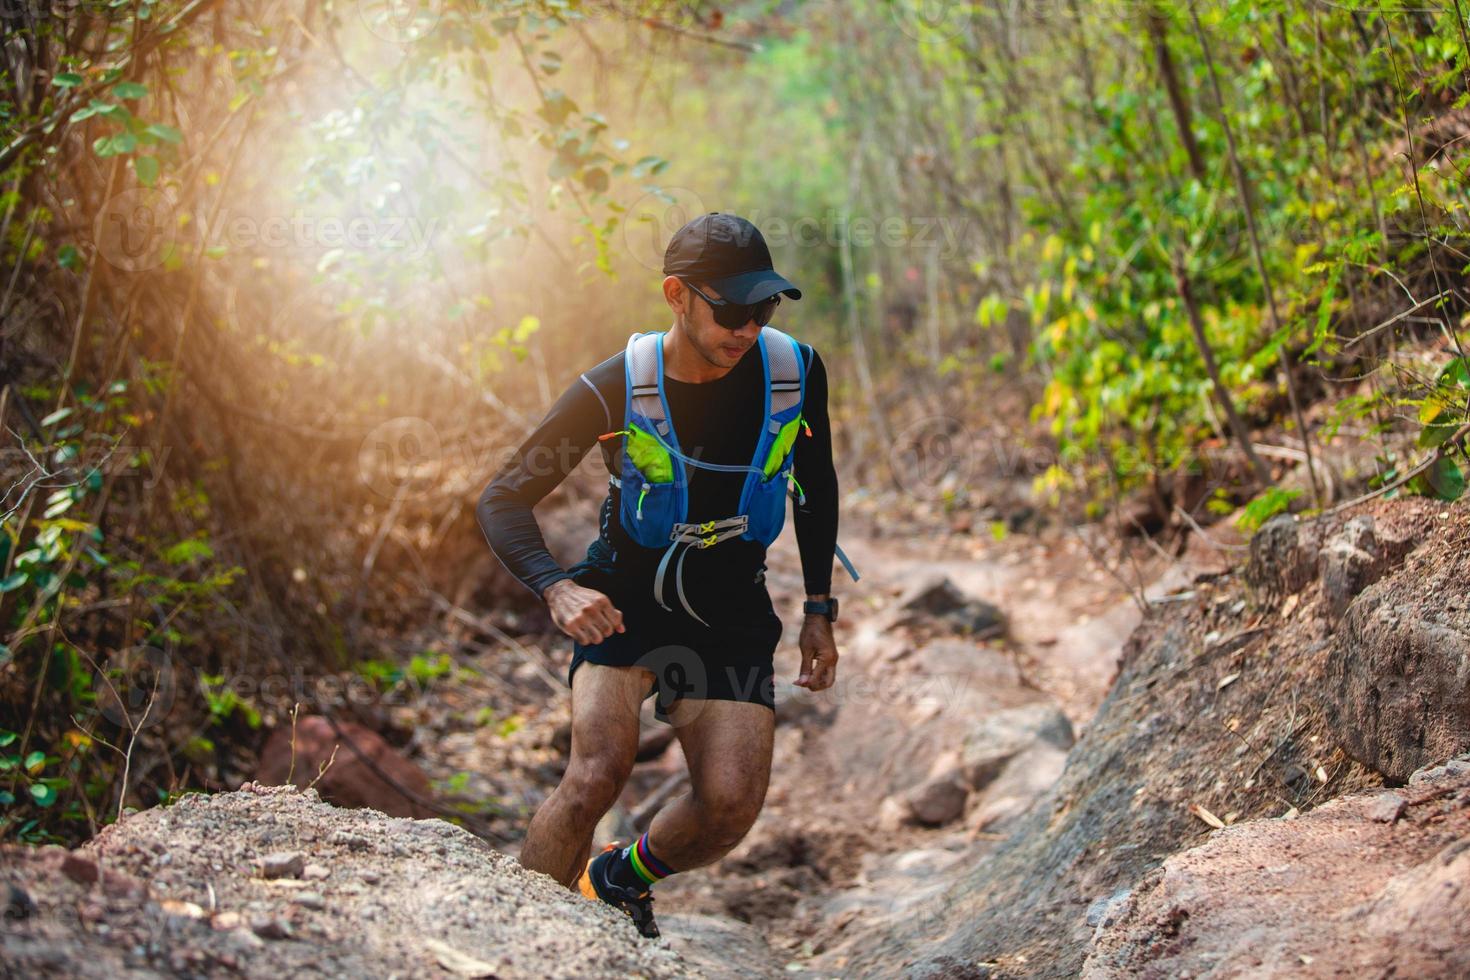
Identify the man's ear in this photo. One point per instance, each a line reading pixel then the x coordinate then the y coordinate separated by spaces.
pixel 675 294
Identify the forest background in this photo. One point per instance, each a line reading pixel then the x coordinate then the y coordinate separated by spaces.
pixel 284 282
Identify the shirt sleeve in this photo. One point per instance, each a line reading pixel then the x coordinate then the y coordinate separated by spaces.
pixel 539 465
pixel 816 522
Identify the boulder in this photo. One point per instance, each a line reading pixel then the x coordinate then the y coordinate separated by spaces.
pixel 1283 557
pixel 1003 735
pixel 937 801
pixel 350 781
pixel 1334 892
pixel 1356 557
pixel 1398 680
pixel 935 598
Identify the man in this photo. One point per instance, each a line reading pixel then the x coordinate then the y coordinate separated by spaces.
pixel 699 632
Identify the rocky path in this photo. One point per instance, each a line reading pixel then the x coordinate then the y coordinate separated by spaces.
pixel 967 665
pixel 1243 801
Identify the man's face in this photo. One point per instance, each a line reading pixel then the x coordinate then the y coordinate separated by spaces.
pixel 719 346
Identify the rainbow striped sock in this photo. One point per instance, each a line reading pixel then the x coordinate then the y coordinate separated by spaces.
pixel 637 867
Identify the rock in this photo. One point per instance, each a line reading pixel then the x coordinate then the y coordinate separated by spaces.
pixel 935 597
pixel 1283 556
pixel 1101 911
pixel 893 813
pixel 18 903
pixel 282 864
pixel 350 840
pixel 225 921
pixel 946 967
pixel 350 782
pixel 937 801
pixel 1025 778
pixel 1349 563
pixel 1397 686
pixel 270 927
pixel 79 869
pixel 316 872
pixel 1432 774
pixel 795 705
pixel 1387 808
pixel 719 946
pixel 1334 892
pixel 1004 734
pixel 310 900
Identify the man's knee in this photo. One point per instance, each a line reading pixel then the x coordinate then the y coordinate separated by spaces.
pixel 594 785
pixel 729 808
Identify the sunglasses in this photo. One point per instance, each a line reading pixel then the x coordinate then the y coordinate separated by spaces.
pixel 733 316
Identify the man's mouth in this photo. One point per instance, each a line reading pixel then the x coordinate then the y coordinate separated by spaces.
pixel 733 351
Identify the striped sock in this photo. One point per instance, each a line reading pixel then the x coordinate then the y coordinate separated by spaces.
pixel 636 866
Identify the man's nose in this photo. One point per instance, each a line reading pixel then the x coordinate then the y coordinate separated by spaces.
pixel 748 330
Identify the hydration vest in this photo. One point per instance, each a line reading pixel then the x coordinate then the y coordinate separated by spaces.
pixel 653 480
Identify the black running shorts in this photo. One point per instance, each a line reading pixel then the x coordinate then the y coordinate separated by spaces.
pixel 729 660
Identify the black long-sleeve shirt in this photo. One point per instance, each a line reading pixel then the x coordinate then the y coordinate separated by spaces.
pixel 716 421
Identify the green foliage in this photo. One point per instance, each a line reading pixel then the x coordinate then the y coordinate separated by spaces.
pixel 427 667
pixel 224 703
pixel 1273 501
pixel 384 674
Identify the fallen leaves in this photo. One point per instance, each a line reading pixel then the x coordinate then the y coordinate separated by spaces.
pixel 1206 816
pixel 460 964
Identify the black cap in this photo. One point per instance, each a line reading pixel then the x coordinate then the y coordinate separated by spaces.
pixel 728 253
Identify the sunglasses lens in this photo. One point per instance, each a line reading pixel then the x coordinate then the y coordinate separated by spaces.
pixel 766 309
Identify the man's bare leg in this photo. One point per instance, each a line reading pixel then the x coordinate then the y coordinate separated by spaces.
pixel 605 703
pixel 728 746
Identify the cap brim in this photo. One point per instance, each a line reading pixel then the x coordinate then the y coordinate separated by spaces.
pixel 752 287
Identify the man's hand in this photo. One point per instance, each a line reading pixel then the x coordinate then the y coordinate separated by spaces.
pixel 818 653
pixel 586 615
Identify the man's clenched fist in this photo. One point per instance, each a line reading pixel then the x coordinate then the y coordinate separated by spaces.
pixel 586 615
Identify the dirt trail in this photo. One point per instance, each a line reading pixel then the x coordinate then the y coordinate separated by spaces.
pixel 937 814
pixel 829 866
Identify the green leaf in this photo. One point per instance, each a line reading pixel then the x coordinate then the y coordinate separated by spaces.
pixel 6 737
pixel 14 581
pixel 67 79
pixel 35 760
pixel 1445 479
pixel 115 145
pixel 130 90
pixel 43 795
pixel 147 169
pixel 166 133
pixel 7 798
pixel 56 416
pixel 68 257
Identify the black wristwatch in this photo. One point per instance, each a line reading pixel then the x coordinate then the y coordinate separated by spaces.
pixel 826 607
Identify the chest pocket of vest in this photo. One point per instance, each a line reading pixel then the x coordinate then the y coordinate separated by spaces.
pixel 649 496
pixel 767 501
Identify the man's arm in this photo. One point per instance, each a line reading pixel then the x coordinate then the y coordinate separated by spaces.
pixel 506 515
pixel 816 529
pixel 816 521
